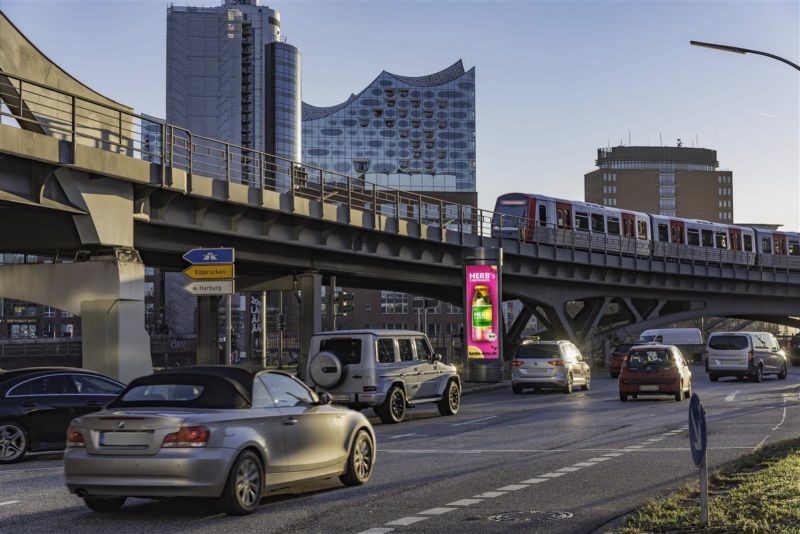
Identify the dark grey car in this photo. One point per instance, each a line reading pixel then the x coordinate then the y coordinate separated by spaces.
pixel 214 431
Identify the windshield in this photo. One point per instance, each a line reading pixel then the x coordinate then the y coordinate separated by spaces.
pixel 163 392
pixel 348 350
pixel 728 342
pixel 647 339
pixel 538 351
pixel 649 361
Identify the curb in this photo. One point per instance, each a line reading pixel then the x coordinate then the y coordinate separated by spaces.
pixel 485 387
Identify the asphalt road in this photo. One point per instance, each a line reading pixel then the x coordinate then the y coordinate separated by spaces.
pixel 537 462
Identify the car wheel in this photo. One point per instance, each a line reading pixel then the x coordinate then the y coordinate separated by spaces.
pixel 360 461
pixel 587 385
pixel 713 378
pixel 568 388
pixel 784 373
pixel 516 389
pixel 679 393
pixel 104 504
pixel 242 493
pixel 13 442
pixel 451 400
pixel 689 392
pixel 623 397
pixel 393 409
pixel 759 376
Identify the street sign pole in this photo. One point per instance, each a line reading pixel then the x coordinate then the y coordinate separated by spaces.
pixel 263 329
pixel 698 444
pixel 228 328
pixel 332 304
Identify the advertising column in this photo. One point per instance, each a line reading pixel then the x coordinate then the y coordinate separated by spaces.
pixel 483 335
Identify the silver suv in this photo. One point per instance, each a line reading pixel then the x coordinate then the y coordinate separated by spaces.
pixel 387 370
pixel 549 364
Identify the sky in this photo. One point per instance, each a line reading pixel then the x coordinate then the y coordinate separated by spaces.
pixel 555 80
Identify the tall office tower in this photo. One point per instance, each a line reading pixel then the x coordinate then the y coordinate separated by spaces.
pixel 411 133
pixel 673 181
pixel 230 76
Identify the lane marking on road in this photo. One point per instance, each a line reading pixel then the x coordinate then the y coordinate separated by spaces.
pixel 598 459
pixel 653 440
pixel 6 471
pixel 464 502
pixel 629 447
pixel 534 481
pixel 437 511
pixel 587 464
pixel 475 421
pixel 490 494
pixel 613 454
pixel 8 502
pixel 552 475
pixel 513 487
pixel 729 398
pixel 403 436
pixel 376 531
pixel 405 521
pixel 776 427
pixel 568 469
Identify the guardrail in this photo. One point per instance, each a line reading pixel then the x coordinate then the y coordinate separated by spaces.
pixel 70 117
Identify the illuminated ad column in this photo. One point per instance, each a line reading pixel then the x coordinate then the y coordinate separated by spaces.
pixel 483 336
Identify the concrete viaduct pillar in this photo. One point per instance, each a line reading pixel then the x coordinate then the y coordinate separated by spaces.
pixel 107 291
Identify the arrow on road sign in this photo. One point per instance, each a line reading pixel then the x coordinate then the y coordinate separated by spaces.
pixel 209 255
pixel 697 430
pixel 210 272
pixel 215 287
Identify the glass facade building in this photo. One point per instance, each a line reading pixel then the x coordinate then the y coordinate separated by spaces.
pixel 413 133
pixel 283 101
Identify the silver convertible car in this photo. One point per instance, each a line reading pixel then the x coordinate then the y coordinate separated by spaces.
pixel 214 431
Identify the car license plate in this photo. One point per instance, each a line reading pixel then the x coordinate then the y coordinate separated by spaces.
pixel 648 388
pixel 125 439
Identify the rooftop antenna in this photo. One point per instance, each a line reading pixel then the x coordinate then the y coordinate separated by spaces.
pixel 660 140
pixel 697 138
pixel 629 138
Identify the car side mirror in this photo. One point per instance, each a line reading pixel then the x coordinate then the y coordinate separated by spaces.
pixel 436 357
pixel 325 398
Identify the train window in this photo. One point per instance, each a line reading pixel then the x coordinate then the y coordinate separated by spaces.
pixel 693 237
pixel 598 225
pixel 581 221
pixel 779 247
pixel 543 215
pixel 722 240
pixel 662 233
pixel 613 225
pixel 748 243
pixel 766 245
pixel 642 229
pixel 794 248
pixel 708 238
pixel 560 218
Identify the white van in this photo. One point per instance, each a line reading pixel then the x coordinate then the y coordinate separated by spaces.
pixel 745 355
pixel 672 336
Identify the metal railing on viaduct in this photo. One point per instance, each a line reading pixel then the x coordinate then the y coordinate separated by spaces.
pixel 193 190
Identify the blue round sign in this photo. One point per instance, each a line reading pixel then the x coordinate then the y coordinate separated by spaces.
pixel 697 430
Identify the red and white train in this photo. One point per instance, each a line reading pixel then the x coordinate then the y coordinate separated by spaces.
pixel 542 219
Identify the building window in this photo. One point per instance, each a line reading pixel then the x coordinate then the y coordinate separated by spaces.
pixel 666 191
pixel 48 311
pixel 394 302
pixel 666 179
pixel 666 203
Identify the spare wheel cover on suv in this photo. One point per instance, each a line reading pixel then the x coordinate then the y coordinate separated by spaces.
pixel 326 370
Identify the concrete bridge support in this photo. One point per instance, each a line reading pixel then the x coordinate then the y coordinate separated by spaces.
pixel 107 291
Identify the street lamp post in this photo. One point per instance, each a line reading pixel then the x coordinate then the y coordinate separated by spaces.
pixel 739 50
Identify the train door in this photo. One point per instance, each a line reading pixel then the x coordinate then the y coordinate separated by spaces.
pixel 530 220
pixel 563 215
pixel 735 239
pixel 676 233
pixel 628 225
pixel 779 240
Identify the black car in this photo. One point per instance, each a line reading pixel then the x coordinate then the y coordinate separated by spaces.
pixel 794 350
pixel 38 403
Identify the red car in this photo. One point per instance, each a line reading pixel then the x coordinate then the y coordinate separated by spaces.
pixel 617 357
pixel 655 370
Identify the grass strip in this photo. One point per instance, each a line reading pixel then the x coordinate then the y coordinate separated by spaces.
pixel 757 493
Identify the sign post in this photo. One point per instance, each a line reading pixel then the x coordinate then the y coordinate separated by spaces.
pixel 698 444
pixel 212 274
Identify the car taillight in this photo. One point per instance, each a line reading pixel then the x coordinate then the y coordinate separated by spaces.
pixel 556 362
pixel 370 388
pixel 74 438
pixel 187 436
pixel 516 363
pixel 750 355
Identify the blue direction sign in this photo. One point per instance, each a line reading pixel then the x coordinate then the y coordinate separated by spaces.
pixel 697 430
pixel 209 255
